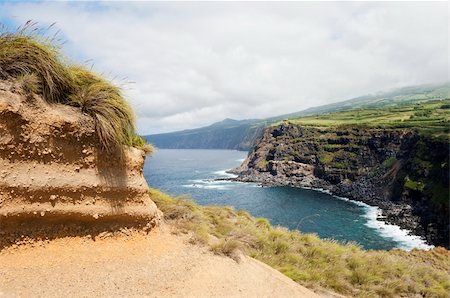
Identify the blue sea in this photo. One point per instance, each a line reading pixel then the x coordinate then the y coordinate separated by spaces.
pixel 191 173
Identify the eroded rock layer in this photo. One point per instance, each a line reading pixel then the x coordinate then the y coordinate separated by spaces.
pixel 54 178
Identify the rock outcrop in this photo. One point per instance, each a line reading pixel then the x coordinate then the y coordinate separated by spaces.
pixel 56 180
pixel 404 173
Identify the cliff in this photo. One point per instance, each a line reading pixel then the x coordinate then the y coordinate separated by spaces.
pixel 402 171
pixel 227 134
pixel 55 177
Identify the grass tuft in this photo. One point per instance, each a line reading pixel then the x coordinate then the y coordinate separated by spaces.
pixel 28 83
pixel 141 143
pixel 25 53
pixel 113 116
pixel 36 65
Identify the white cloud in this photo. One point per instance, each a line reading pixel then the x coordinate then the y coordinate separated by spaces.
pixel 194 63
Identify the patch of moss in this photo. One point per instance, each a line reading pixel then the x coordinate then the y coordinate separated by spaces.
pixel 263 164
pixel 339 165
pixel 413 185
pixel 325 158
pixel 388 163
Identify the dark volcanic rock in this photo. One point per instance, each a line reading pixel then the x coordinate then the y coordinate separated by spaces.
pixel 400 171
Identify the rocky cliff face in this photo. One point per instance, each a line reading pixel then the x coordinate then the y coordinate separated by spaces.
pixel 54 178
pixel 402 172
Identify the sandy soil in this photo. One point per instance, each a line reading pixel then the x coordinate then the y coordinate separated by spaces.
pixel 159 264
pixel 55 180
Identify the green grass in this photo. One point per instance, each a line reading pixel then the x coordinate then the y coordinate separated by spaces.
pixel 430 117
pixel 388 163
pixel 37 66
pixel 308 260
pixel 113 116
pixel 413 185
pixel 24 52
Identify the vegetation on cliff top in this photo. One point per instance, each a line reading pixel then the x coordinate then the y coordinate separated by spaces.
pixel 35 63
pixel 429 118
pixel 308 260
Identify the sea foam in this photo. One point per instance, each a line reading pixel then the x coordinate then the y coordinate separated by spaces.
pixel 403 237
pixel 224 173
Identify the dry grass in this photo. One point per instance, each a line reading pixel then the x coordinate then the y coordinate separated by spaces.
pixel 25 52
pixel 113 116
pixel 308 260
pixel 36 65
pixel 29 83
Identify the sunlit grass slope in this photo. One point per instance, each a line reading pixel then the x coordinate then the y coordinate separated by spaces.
pixel 36 64
pixel 429 117
pixel 308 260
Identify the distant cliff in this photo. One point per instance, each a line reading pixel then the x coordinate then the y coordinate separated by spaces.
pixel 242 134
pixel 404 171
pixel 227 134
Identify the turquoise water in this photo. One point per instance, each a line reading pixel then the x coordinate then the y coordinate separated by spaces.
pixel 192 173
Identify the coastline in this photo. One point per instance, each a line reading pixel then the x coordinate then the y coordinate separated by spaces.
pixel 377 216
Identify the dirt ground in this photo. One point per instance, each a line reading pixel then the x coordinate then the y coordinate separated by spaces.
pixel 159 264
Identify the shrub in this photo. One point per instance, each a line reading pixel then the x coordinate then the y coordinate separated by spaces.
pixel 227 247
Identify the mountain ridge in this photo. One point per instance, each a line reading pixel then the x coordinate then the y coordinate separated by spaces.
pixel 242 134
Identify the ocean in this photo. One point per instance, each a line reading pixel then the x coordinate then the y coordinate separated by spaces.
pixel 191 173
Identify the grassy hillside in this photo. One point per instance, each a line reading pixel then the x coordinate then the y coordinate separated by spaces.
pixel 241 135
pixel 429 117
pixel 308 260
pixel 395 97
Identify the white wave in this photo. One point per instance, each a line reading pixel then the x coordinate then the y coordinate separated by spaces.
pixel 225 174
pixel 241 160
pixel 321 190
pixel 207 186
pixel 212 181
pixel 403 237
pixel 211 184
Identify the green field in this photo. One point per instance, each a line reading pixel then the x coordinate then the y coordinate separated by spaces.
pixel 429 117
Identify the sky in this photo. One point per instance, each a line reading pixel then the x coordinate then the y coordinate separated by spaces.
pixel 188 64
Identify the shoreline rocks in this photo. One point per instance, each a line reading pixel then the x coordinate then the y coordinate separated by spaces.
pixel 377 167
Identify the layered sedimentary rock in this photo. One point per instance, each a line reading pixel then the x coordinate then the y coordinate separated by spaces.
pixel 54 177
pixel 404 173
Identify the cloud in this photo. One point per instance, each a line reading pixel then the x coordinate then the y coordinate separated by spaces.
pixel 194 63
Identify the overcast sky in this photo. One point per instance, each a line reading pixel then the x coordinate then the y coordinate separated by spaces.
pixel 197 63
